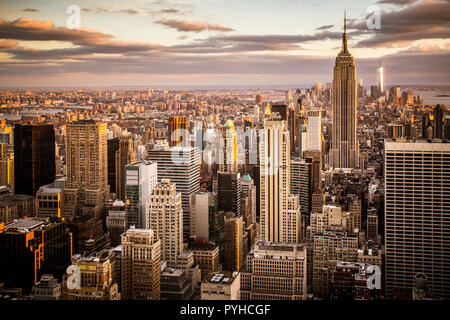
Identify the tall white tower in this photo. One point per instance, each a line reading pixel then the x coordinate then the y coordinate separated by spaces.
pixel 380 82
pixel 279 216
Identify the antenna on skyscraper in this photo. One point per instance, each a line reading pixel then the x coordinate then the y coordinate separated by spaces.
pixel 344 36
pixel 345 20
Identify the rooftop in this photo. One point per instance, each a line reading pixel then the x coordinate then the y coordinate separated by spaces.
pixel 201 246
pixel 24 225
pixel 221 278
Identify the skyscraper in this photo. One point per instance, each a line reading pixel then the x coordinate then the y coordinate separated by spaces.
pixel 301 182
pixel 30 248
pixel 141 265
pixel 141 178
pixel 178 131
pixel 6 155
pixel 182 167
pixel 249 191
pixel 380 80
pixel 344 152
pixel 417 215
pixel 86 189
pixel 315 130
pixel 206 220
pixel 113 147
pixel 275 182
pixel 165 218
pixel 228 153
pixel 234 242
pixel 438 115
pixel 229 192
pixel 34 157
pixel 124 155
pixel 116 221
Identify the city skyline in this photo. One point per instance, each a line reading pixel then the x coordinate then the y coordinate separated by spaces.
pixel 220 43
pixel 333 191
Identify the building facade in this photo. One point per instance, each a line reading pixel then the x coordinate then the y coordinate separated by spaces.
pixel 141 265
pixel 417 215
pixel 34 157
pixel 274 271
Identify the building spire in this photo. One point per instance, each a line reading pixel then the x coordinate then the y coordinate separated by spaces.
pixel 344 36
pixel 345 21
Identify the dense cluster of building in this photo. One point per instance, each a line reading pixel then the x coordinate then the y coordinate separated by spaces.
pixel 325 193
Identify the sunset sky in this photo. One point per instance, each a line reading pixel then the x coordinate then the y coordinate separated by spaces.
pixel 219 42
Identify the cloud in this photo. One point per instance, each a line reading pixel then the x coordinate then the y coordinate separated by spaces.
pixel 248 43
pixel 99 55
pixel 130 11
pixel 397 2
pixel 169 10
pixel 38 30
pixel 422 20
pixel 7 44
pixel 328 26
pixel 403 68
pixel 193 26
pixel 81 52
pixel 87 41
pixel 319 36
pixel 30 10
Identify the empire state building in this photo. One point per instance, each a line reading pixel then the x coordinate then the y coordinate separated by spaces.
pixel 344 152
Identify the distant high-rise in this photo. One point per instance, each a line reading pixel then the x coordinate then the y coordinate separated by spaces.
pixel 203 208
pixel 259 99
pixel 282 110
pixel 141 178
pixel 141 265
pixel 301 182
pixel 438 115
pixel 249 191
pixel 344 151
pixel 34 157
pixel 360 89
pixel 395 95
pixel 124 155
pixel 113 147
pixel 86 189
pixel 380 80
pixel 234 242
pixel 116 221
pixel 228 153
pixel 177 133
pixel 417 215
pixel 6 155
pixel 229 192
pixel 315 130
pixel 182 167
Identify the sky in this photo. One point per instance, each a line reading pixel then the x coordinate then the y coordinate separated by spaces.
pixel 220 42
